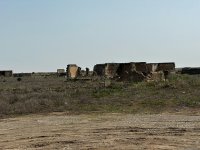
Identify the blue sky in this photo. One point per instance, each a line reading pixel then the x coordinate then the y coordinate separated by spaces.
pixel 43 35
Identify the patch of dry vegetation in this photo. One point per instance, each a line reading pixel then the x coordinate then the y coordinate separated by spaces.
pixel 48 94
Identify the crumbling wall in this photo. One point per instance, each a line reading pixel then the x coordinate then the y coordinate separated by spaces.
pixel 99 69
pixel 156 76
pixel 43 74
pixel 152 67
pixel 87 71
pixel 141 67
pixel 190 71
pixel 155 67
pixel 6 73
pixel 124 70
pixel 61 72
pixel 73 71
pixel 22 74
pixel 166 67
pixel 111 70
pixel 137 76
pixel 132 71
pixel 108 69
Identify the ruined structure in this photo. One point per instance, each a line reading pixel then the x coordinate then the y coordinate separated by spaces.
pixel 190 70
pixel 156 76
pixel 141 67
pixel 155 67
pixel 6 73
pixel 22 74
pixel 73 71
pixel 152 67
pixel 134 71
pixel 111 70
pixel 61 72
pixel 107 70
pixel 44 74
pixel 99 69
pixel 87 72
pixel 170 67
pixel 160 71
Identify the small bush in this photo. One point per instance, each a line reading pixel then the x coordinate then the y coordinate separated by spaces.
pixel 19 79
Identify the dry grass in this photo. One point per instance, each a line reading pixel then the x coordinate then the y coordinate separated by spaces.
pixel 48 94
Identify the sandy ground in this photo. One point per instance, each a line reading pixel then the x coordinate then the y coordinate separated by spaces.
pixel 100 131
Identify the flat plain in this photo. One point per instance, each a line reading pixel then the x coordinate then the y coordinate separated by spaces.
pixel 100 131
pixel 55 113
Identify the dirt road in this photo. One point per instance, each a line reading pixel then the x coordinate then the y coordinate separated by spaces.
pixel 100 131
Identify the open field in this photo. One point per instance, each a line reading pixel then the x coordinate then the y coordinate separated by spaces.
pixel 56 94
pixel 55 113
pixel 100 131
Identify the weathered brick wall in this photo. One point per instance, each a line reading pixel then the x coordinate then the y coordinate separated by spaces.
pixel 124 70
pixel 152 67
pixel 141 67
pixel 190 71
pixel 166 67
pixel 73 71
pixel 111 70
pixel 6 73
pixel 99 69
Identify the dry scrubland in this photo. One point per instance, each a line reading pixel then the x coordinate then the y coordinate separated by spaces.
pixel 56 94
pixel 88 115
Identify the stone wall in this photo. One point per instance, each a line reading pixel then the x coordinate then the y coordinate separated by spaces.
pixel 99 69
pixel 111 70
pixel 190 71
pixel 6 73
pixel 166 67
pixel 73 71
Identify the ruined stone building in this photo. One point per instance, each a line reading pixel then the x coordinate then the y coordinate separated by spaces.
pixel 160 71
pixel 107 70
pixel 85 73
pixel 22 74
pixel 134 71
pixel 73 71
pixel 155 67
pixel 6 73
pixel 99 69
pixel 61 72
pixel 190 70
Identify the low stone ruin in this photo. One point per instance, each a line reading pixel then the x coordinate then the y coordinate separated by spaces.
pixel 61 72
pixel 6 73
pixel 190 70
pixel 134 71
pixel 160 71
pixel 73 71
